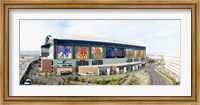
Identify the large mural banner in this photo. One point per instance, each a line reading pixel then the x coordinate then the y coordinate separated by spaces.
pixel 142 53
pixel 136 53
pixel 109 52
pixel 64 52
pixel 119 53
pixel 97 52
pixel 129 53
pixel 82 53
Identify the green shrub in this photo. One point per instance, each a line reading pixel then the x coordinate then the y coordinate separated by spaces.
pixel 126 76
pixel 25 76
pixel 46 74
pixel 69 78
pixel 34 73
pixel 59 83
pixel 118 82
pixel 75 78
pixel 119 78
pixel 130 83
pixel 108 80
pixel 51 73
pixel 95 81
pixel 112 79
pixel 31 73
pixel 39 82
pixel 103 81
pixel 82 80
pixel 168 76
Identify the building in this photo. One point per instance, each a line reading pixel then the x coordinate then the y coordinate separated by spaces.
pixel 172 64
pixel 89 57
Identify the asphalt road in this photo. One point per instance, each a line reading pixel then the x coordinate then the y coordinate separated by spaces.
pixel 128 79
pixel 24 64
pixel 155 78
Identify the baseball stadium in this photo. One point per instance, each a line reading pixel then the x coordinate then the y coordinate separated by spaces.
pixel 89 57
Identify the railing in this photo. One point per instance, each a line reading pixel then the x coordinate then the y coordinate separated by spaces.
pixel 24 71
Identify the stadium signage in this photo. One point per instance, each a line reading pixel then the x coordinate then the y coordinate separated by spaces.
pixel 117 53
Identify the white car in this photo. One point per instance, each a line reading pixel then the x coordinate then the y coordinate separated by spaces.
pixel 28 82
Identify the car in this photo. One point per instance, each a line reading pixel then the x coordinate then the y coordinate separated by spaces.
pixel 28 82
pixel 63 73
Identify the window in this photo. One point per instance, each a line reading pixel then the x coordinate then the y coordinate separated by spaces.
pixel 97 62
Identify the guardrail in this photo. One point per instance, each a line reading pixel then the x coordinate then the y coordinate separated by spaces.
pixel 25 71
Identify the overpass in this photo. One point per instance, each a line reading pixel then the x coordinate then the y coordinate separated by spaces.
pixel 154 58
pixel 24 67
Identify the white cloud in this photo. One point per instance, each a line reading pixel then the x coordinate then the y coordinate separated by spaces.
pixel 159 36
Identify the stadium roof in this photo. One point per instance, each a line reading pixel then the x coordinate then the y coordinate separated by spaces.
pixel 91 38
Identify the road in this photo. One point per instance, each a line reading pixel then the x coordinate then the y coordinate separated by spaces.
pixel 128 79
pixel 155 78
pixel 24 65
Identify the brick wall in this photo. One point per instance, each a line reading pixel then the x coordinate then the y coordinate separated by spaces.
pixel 46 65
pixel 69 68
pixel 90 70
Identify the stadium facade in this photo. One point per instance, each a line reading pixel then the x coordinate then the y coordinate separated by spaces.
pixel 87 57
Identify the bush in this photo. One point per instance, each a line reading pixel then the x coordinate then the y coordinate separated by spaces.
pixel 118 83
pixel 108 80
pixel 95 81
pixel 51 73
pixel 130 83
pixel 39 82
pixel 112 79
pixel 76 78
pixel 31 73
pixel 25 76
pixel 59 83
pixel 119 78
pixel 65 83
pixel 69 78
pixel 167 75
pixel 46 74
pixel 82 80
pixel 126 76
pixel 34 73
pixel 103 81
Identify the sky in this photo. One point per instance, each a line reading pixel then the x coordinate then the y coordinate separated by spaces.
pixel 159 36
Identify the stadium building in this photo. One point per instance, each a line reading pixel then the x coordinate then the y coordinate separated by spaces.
pixel 89 57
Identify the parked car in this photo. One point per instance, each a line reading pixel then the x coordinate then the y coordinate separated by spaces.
pixel 28 82
pixel 63 73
